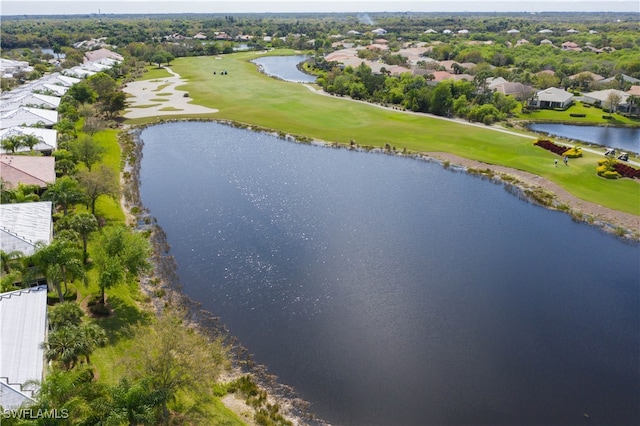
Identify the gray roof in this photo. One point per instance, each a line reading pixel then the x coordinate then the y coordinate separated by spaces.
pixel 28 116
pixel 553 94
pixel 24 224
pixel 23 326
pixel 48 137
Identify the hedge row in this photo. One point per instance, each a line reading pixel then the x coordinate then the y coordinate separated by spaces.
pixel 627 171
pixel 550 146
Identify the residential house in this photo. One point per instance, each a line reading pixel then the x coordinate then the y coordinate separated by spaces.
pixel 517 90
pixel 48 138
pixel 569 45
pixel 601 97
pixel 379 31
pixel 35 100
pixel 10 67
pixel 27 170
pixel 624 77
pixel 587 74
pixel 101 54
pixel 22 225
pixel 634 90
pixel 552 98
pixel 23 330
pixel 27 116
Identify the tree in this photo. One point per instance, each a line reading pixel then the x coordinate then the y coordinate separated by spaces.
pixel 133 402
pixel 113 103
pixel 12 143
pixel 64 192
pixel 120 255
pixel 65 162
pixel 87 150
pixel 24 194
pixel 612 102
pixel 30 141
pixel 102 83
pixel 83 93
pixel 171 355
pixel 67 344
pixel 442 99
pixel 92 125
pixel 98 182
pixel 60 261
pixel 65 314
pixel 82 223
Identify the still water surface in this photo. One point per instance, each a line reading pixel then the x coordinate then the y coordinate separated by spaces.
pixel 626 139
pixel 389 291
pixel 285 68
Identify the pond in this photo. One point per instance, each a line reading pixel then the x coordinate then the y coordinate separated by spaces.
pixel 623 138
pixel 285 68
pixel 389 290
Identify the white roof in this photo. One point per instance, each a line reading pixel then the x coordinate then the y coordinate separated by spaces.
pixel 30 99
pixel 603 95
pixel 60 80
pixel 23 323
pixel 28 116
pixel 553 94
pixel 22 225
pixel 49 137
pixel 545 31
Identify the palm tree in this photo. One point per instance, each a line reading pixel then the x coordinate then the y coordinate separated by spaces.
pixel 66 345
pixel 12 143
pixel 61 260
pixel 82 223
pixel 30 141
pixel 64 192
pixel 24 194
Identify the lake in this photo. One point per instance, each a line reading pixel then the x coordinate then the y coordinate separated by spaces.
pixel 285 68
pixel 391 291
pixel 624 138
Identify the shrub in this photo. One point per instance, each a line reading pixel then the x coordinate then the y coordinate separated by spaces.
pixel 573 152
pixel 609 174
pixel 550 146
pixel 626 171
pixel 607 117
pixel 575 114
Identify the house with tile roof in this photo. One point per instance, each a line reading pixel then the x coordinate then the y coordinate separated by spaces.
pixel 27 116
pixel 551 98
pixel 48 138
pixel 36 100
pixel 27 170
pixel 23 329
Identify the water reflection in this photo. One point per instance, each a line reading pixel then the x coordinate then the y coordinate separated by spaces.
pixel 391 291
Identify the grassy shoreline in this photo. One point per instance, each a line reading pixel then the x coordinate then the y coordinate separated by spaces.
pixel 246 96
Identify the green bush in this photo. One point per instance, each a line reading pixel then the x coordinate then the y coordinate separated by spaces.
pixel 574 114
pixel 607 117
pixel 610 174
pixel 573 153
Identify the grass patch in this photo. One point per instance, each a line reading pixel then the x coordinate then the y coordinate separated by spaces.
pixel 159 100
pixel 248 96
pixel 170 108
pixel 578 113
pixel 154 73
pixel 164 94
pixel 145 106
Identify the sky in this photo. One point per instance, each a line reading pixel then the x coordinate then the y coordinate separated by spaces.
pixel 57 7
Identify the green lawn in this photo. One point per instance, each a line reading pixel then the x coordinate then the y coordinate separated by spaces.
pixel 247 96
pixel 593 116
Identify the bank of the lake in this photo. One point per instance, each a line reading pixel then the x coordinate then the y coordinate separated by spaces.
pixel 246 297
